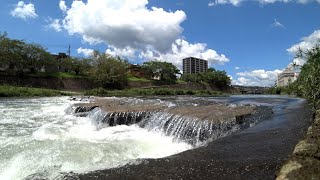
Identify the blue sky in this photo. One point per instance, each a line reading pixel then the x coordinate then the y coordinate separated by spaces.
pixel 252 40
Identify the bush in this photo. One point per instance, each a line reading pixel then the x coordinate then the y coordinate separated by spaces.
pixel 12 91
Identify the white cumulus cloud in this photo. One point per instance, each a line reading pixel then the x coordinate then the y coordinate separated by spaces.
pixel 54 24
pixel 24 11
pixel 181 49
pixel 238 2
pixel 86 52
pixel 257 78
pixel 124 52
pixel 306 44
pixel 63 6
pixel 124 23
pixel 133 30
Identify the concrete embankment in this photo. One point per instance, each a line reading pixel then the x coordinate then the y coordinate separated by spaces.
pixel 71 84
pixel 304 163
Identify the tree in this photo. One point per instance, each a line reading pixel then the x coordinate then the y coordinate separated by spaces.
pixel 35 57
pixel 214 77
pixel 166 71
pixel 11 53
pixel 20 56
pixel 108 71
pixel 308 83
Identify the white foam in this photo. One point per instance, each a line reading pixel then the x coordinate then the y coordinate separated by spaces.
pixel 38 137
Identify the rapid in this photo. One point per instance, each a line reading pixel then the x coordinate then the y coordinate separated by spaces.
pixel 40 139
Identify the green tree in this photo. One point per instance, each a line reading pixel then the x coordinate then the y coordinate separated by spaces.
pixel 214 77
pixel 108 71
pixel 35 57
pixel 11 53
pixel 167 72
pixel 20 56
pixel 308 83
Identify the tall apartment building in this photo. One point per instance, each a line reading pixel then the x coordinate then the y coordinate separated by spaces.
pixel 193 65
pixel 287 77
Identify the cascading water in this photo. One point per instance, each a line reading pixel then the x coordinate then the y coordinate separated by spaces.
pixel 44 138
pixel 188 129
pixel 39 140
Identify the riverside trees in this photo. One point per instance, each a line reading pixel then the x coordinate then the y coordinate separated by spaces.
pixel 164 71
pixel 308 83
pixel 109 71
pixel 212 77
pixel 19 56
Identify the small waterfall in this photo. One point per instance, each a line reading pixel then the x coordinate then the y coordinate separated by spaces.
pixel 79 110
pixel 100 117
pixel 192 130
pixel 186 128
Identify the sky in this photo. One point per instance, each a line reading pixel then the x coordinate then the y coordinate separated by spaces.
pixel 252 40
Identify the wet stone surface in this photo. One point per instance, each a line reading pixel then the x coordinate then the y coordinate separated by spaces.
pixel 252 153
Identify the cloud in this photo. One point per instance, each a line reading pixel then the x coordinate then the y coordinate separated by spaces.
pixel 86 52
pixel 54 24
pixel 211 4
pixel 24 11
pixel 124 23
pixel 130 29
pixel 257 78
pixel 277 24
pixel 124 52
pixel 181 49
pixel 306 44
pixel 238 2
pixel 237 68
pixel 62 6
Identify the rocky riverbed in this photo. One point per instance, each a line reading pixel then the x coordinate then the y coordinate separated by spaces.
pixel 252 153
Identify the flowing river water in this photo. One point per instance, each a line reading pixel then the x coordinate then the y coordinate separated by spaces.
pixel 38 137
pixel 41 139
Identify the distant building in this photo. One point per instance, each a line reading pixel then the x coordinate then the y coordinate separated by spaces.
pixel 59 58
pixel 136 70
pixel 192 65
pixel 287 77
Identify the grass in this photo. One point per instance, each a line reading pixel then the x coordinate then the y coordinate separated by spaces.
pixel 60 75
pixel 151 92
pixel 12 91
pixel 138 79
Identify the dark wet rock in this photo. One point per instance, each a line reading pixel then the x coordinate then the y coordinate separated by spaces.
pixel 304 163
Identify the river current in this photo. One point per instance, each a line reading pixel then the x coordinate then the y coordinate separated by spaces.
pixel 39 139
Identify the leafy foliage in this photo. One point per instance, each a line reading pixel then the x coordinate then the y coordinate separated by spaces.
pixel 308 83
pixel 108 71
pixel 12 91
pixel 21 56
pixel 166 72
pixel 151 92
pixel 212 77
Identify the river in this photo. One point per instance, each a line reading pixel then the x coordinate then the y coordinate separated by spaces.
pixel 39 138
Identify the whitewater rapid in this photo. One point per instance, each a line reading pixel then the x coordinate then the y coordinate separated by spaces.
pixel 38 139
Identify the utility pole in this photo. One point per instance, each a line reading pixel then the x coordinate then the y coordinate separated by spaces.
pixel 69 51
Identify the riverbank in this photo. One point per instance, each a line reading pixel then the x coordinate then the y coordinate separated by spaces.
pixel 150 92
pixel 304 163
pixel 13 91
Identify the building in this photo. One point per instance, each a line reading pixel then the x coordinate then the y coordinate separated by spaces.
pixel 193 65
pixel 287 77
